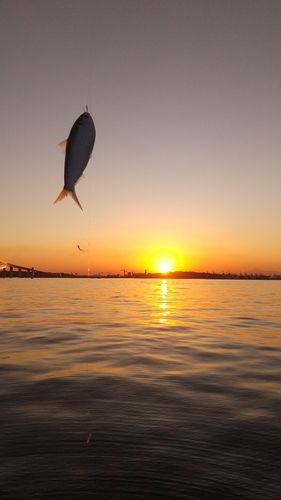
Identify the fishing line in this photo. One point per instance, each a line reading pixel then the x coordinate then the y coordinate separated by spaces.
pixel 90 170
pixel 87 105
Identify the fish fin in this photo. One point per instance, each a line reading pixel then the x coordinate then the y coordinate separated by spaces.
pixel 62 195
pixel 62 145
pixel 74 196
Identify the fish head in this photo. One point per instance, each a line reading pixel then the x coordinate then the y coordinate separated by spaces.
pixel 85 116
pixel 86 121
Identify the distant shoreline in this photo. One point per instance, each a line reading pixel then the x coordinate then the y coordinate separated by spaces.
pixel 33 273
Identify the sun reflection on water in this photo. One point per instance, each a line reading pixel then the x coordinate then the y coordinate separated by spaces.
pixel 164 313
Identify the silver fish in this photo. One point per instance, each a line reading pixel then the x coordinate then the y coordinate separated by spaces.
pixel 79 147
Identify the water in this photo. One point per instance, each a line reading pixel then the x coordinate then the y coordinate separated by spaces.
pixel 140 389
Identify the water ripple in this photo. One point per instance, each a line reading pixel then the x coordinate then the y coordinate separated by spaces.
pixel 130 389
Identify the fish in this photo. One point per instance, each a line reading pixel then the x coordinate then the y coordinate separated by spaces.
pixel 78 150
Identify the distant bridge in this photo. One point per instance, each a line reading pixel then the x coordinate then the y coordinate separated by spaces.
pixel 9 270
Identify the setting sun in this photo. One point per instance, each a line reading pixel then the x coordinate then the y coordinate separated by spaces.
pixel 164 264
pixel 164 259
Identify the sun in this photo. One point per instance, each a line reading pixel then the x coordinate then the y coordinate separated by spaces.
pixel 163 259
pixel 164 264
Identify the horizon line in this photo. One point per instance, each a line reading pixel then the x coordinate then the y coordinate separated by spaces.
pixel 23 271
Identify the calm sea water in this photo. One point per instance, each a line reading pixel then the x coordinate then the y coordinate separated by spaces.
pixel 140 389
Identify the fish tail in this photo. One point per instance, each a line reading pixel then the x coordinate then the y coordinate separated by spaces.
pixel 62 195
pixel 74 196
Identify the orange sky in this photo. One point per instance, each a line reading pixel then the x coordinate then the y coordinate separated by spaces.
pixel 138 252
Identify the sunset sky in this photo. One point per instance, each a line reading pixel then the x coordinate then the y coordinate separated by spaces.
pixel 185 96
